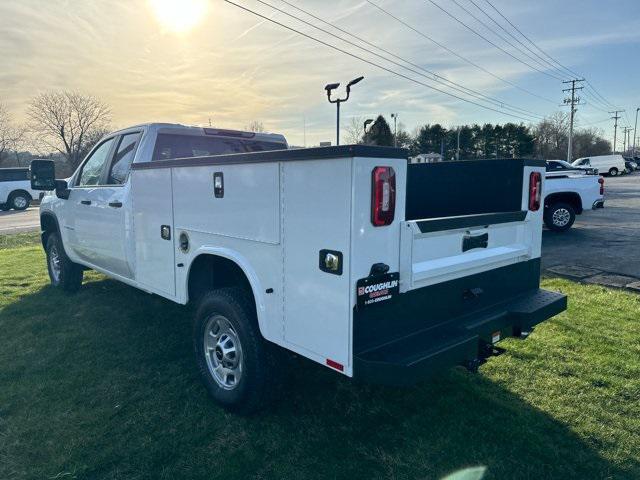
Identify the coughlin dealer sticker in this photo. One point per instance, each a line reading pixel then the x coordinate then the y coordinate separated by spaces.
pixel 378 289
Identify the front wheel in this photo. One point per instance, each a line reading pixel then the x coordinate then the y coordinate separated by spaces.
pixel 240 369
pixel 63 273
pixel 559 217
pixel 613 172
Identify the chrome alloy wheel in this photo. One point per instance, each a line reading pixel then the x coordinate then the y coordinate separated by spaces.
pixel 55 264
pixel 561 217
pixel 223 352
pixel 20 201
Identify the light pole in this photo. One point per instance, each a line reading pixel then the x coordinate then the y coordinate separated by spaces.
pixel 329 88
pixel 635 129
pixel 458 150
pixel 395 129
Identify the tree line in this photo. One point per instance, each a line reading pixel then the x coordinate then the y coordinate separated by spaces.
pixel 547 140
pixel 65 125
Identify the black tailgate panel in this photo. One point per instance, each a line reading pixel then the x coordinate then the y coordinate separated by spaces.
pixel 428 307
pixel 470 187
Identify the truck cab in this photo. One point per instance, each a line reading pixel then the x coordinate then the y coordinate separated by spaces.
pixel 348 256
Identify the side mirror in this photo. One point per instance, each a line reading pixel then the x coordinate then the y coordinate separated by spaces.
pixel 43 175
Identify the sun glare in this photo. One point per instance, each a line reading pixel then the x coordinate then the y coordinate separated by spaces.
pixel 178 16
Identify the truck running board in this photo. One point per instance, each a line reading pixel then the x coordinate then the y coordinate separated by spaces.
pixel 460 341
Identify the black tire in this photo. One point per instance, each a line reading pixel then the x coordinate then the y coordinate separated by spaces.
pixel 559 217
pixel 69 275
pixel 613 172
pixel 19 200
pixel 4 207
pixel 260 374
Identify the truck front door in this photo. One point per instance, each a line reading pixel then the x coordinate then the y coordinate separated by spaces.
pixel 101 211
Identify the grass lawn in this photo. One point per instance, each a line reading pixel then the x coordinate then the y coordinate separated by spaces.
pixel 102 384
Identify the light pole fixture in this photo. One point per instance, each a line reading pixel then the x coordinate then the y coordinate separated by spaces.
pixel 367 122
pixel 329 88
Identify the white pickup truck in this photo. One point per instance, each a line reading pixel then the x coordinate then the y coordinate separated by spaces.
pixel 570 193
pixel 347 255
pixel 15 189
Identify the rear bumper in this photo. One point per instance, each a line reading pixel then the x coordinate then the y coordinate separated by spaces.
pixel 459 341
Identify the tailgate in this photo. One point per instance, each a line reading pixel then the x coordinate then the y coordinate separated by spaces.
pixel 441 249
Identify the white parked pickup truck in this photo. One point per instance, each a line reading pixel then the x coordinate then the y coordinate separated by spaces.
pixel 347 255
pixel 567 194
pixel 15 189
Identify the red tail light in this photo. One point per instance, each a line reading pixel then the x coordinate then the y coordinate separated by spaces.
pixel 535 191
pixel 601 182
pixel 383 196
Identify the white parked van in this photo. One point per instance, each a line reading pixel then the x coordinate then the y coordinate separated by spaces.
pixel 606 164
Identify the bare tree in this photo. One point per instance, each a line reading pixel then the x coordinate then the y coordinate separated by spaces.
pixel 66 121
pixel 355 130
pixel 255 126
pixel 11 135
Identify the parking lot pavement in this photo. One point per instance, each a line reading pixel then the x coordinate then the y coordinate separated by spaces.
pixel 603 246
pixel 15 222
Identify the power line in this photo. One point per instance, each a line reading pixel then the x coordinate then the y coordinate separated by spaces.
pixel 545 62
pixel 572 73
pixel 452 52
pixel 381 67
pixel 543 65
pixel 439 78
pixel 491 42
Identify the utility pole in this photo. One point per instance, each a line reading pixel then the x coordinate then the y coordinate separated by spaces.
pixel 572 102
pixel 615 117
pixel 458 149
pixel 626 142
pixel 635 130
pixel 395 129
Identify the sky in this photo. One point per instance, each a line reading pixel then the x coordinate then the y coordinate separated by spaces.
pixel 201 61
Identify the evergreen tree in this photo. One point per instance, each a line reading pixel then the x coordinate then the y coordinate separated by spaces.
pixel 379 133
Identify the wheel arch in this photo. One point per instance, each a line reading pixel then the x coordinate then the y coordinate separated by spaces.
pixel 48 225
pixel 20 190
pixel 572 198
pixel 213 268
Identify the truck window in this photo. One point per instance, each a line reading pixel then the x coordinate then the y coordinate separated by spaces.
pixel 93 168
pixel 122 160
pixel 184 146
pixel 13 174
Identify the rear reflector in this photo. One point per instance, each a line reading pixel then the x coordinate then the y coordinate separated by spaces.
pixel 336 365
pixel 601 182
pixel 535 191
pixel 383 196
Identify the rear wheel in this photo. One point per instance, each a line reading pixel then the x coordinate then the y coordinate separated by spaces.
pixel 240 369
pixel 19 200
pixel 63 273
pixel 613 172
pixel 559 216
